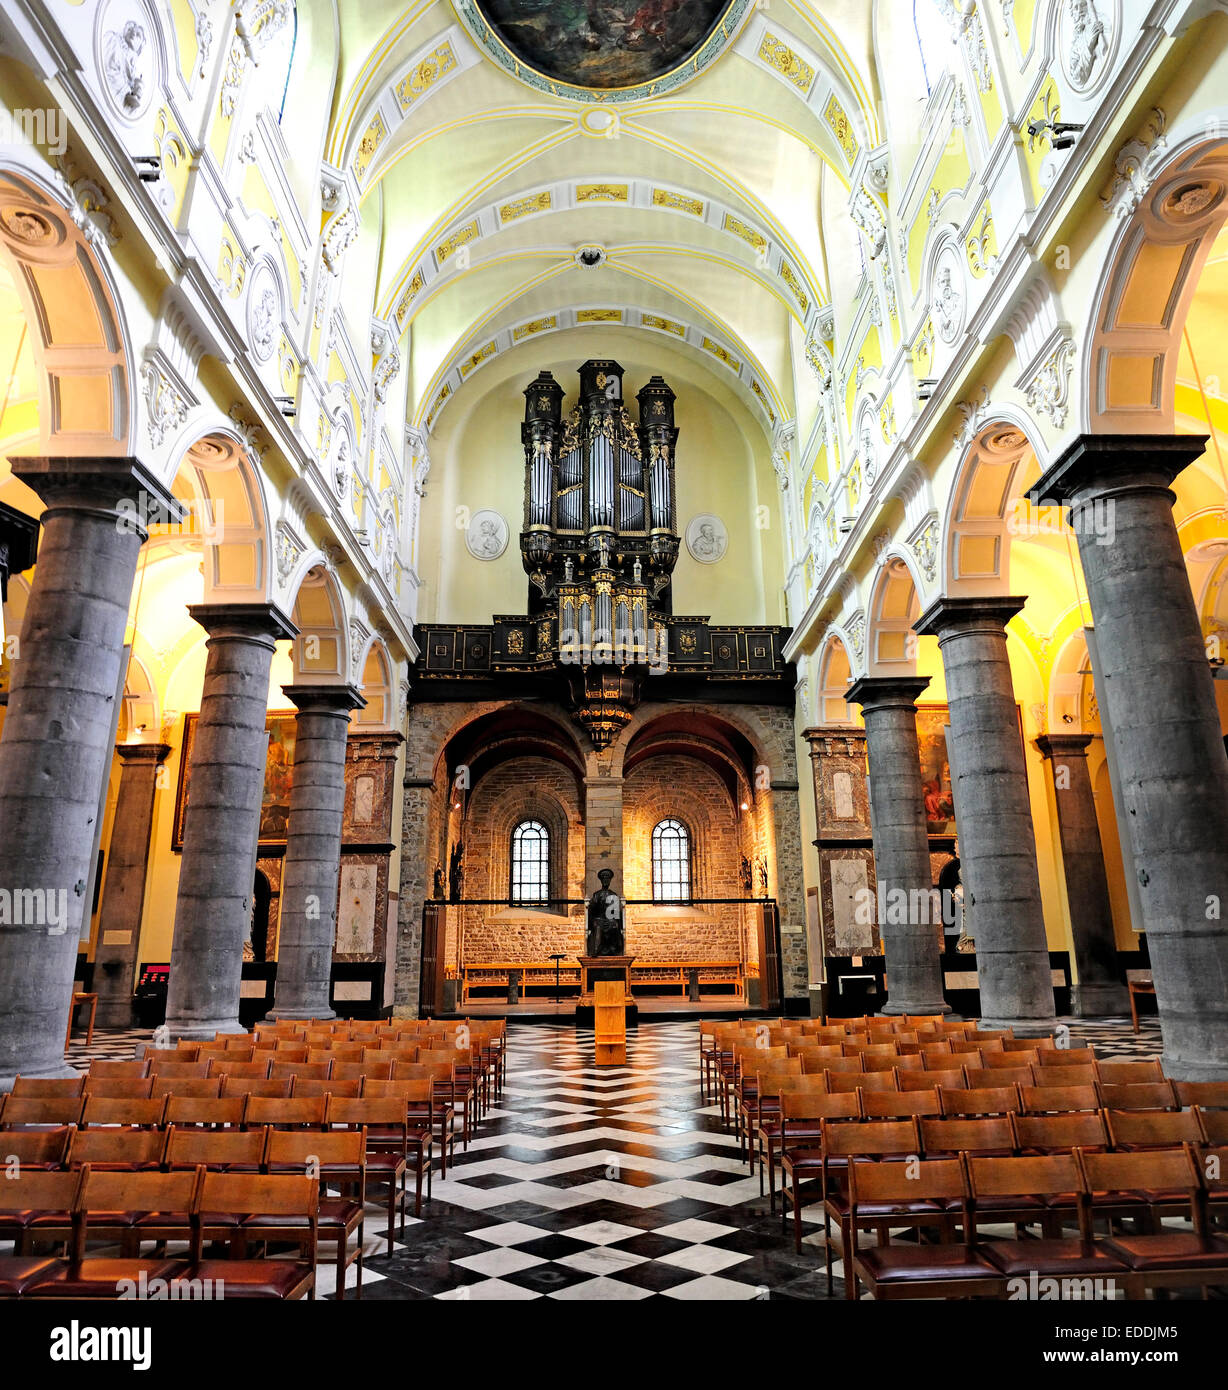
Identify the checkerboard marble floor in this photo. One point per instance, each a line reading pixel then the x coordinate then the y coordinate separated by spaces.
pixel 605 1183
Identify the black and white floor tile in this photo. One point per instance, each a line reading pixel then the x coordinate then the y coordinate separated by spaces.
pixel 588 1182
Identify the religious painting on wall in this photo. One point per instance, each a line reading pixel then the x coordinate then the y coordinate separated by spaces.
pixel 278 775
pixel 936 785
pixel 935 770
pixel 603 44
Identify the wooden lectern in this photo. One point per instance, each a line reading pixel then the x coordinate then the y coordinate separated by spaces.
pixel 609 1023
pixel 595 970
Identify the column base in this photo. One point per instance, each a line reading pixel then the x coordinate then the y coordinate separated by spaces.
pixel 52 1072
pixel 1021 1027
pixel 1100 1000
pixel 276 1015
pixel 915 1006
pixel 1194 1069
pixel 203 1031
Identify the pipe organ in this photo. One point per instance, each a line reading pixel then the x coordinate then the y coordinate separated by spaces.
pixel 599 544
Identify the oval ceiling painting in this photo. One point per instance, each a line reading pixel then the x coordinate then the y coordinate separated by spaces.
pixel 604 49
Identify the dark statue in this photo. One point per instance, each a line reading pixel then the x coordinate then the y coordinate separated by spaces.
pixel 456 872
pixel 605 920
pixel 439 891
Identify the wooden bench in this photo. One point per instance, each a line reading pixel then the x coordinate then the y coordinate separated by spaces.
pixel 651 976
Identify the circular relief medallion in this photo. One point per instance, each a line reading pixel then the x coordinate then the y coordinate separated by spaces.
pixel 263 313
pixel 124 51
pixel 706 539
pixel 947 294
pixel 1087 35
pixel 487 536
pixel 29 227
pixel 620 50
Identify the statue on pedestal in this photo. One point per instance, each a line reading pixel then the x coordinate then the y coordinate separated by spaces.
pixel 605 920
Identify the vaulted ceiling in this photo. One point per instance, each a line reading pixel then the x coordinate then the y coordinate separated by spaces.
pixel 700 206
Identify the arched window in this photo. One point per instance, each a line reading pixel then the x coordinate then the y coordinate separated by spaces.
pixel 530 862
pixel 671 862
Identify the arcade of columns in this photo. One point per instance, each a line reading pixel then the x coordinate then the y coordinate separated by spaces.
pixel 1169 758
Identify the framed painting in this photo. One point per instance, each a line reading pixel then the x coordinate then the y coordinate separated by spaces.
pixel 278 775
pixel 936 767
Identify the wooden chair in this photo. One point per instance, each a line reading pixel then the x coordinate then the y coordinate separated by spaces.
pixel 984 1100
pixel 48 1087
pixel 1207 1095
pixel 1168 1180
pixel 206 1112
pixel 131 1210
pixel 131 1113
pixel 271 1087
pixel 1131 1073
pixel 222 1066
pixel 168 1071
pixel 315 1071
pixel 1041 1100
pixel 36 1148
pixel 348 1052
pixel 181 1052
pixel 305 1112
pixel 842 1144
pixel 440 1077
pixel 759 1102
pixel 116 1071
pixel 1061 1133
pixel 221 1150
pixel 932 1193
pixel 338 1157
pixel 952 1061
pixel 900 1105
pixel 114 1150
pixel 941 1048
pixel 1146 1095
pixel 1029 1045
pixel 384 1122
pixel 199 1087
pixel 1067 1057
pixel 1134 1130
pixel 40 1112
pixel 948 1136
pixel 230 1203
pixel 1001 1186
pixel 1065 1076
pixel 420 1099
pixel 331 1086
pixel 987 1078
pixel 802 1117
pixel 1004 1060
pixel 911 1080
pixel 38 1205
pixel 1214 1124
pixel 883 1063
pixel 769 1128
pixel 120 1088
pixel 359 1071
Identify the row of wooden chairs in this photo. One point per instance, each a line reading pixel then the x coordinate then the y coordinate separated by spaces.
pixel 73 1208
pixel 967 1191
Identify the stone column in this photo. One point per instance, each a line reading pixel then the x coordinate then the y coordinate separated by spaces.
pixel 313 849
pixel 123 896
pixel 1157 698
pixel 416 889
pixel 58 733
pixel 909 925
pixel 222 821
pixel 1100 989
pixel 996 840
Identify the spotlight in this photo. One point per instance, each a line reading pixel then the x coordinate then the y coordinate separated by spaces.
pixel 1061 134
pixel 926 387
pixel 148 167
pixel 846 525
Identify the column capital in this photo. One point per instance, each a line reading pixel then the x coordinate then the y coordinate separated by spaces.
pixel 121 485
pixel 251 620
pixel 883 692
pixel 1096 464
pixel 1063 745
pixel 143 752
pixel 946 616
pixel 324 699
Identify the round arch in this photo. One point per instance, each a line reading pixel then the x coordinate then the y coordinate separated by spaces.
pixel 73 317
